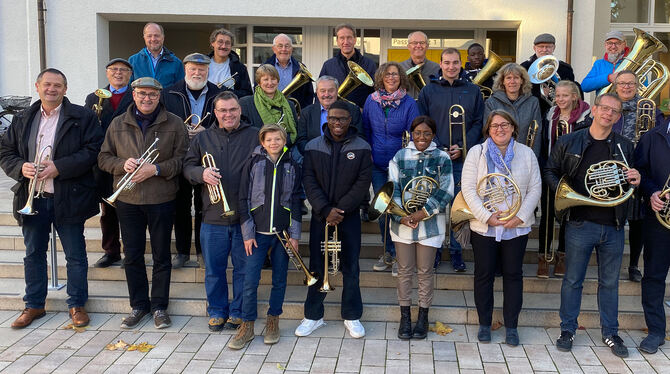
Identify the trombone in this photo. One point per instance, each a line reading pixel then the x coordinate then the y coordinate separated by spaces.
pixel 223 82
pixel 294 256
pixel 192 127
pixel 645 118
pixel 34 191
pixel 331 248
pixel 216 192
pixel 102 94
pixel 457 111
pixel 532 132
pixel 126 183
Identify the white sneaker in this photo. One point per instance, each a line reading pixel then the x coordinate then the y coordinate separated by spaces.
pixel 355 328
pixel 307 326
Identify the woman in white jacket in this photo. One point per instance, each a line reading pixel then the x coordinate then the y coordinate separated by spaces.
pixel 495 240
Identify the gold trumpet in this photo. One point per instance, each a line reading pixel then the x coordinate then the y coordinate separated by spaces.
pixel 645 118
pixel 294 256
pixel 331 247
pixel 357 76
pixel 532 132
pixel 563 128
pixel 126 183
pixel 456 111
pixel 492 66
pixel 663 216
pixel 216 193
pixel 34 191
pixel 415 77
pixel 302 77
pixel 102 94
pixel 220 84
pixel 192 127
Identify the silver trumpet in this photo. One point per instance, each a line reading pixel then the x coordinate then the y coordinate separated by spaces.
pixel 126 183
pixel 216 193
pixel 35 191
pixel 190 126
pixel 294 256
pixel 223 82
pixel 331 247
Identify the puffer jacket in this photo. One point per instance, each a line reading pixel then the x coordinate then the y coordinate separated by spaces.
pixel 168 70
pixel 525 109
pixel 598 76
pixel 270 195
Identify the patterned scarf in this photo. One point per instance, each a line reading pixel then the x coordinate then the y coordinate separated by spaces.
pixel 271 110
pixel 389 100
pixel 493 154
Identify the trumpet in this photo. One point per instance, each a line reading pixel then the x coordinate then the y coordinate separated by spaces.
pixel 192 127
pixel 532 132
pixel 102 94
pixel 294 256
pixel 35 191
pixel 645 118
pixel 663 216
pixel 457 111
pixel 216 192
pixel 126 183
pixel 223 82
pixel 331 247
pixel 563 128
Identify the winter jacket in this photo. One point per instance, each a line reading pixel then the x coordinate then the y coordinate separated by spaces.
pixel 439 95
pixel 651 160
pixel 168 71
pixel 177 102
pixel 429 70
pixel 384 130
pixel 230 151
pixel 304 94
pixel 598 76
pixel 251 115
pixel 569 151
pixel 309 124
pixel 242 85
pixel 125 140
pixel 76 145
pixel 524 110
pixel 340 180
pixel 471 73
pixel 337 68
pixel 550 124
pixel 270 195
pixel 564 71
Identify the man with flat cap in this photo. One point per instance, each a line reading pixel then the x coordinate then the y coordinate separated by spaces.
pixel 192 97
pixel 602 72
pixel 118 73
pixel 151 202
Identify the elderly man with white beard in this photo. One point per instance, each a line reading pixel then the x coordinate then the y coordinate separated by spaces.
pixel 602 73
pixel 193 95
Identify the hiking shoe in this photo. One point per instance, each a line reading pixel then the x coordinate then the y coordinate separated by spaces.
pixel 244 335
pixel 216 324
pixel 383 262
pixel 161 319
pixel 232 323
pixel 133 319
pixel 564 342
pixel 616 345
pixel 271 330
pixel 307 326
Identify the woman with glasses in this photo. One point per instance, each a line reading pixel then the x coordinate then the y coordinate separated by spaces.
pixel 493 239
pixel 418 235
pixel 387 115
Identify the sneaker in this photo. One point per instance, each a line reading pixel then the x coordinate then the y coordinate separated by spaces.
pixel 161 319
pixel 233 323
pixel 244 335
pixel 383 262
pixel 216 324
pixel 484 334
pixel 564 342
pixel 134 318
pixel 355 328
pixel 634 274
pixel 651 343
pixel 394 269
pixel 307 326
pixel 457 262
pixel 179 260
pixel 271 330
pixel 616 345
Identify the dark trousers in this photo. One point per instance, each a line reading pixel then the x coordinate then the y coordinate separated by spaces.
pixel 183 229
pixel 656 262
pixel 635 240
pixel 349 231
pixel 510 253
pixel 134 221
pixel 548 219
pixel 109 225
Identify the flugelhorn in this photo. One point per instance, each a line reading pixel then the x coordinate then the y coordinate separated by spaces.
pixel 34 191
pixel 302 77
pixel 645 118
pixel 223 82
pixel 532 133
pixel 457 117
pixel 126 183
pixel 492 66
pixel 102 94
pixel 663 216
pixel 415 77
pixel 331 247
pixel 216 193
pixel 294 256
pixel 544 71
pixel 192 127
pixel 357 76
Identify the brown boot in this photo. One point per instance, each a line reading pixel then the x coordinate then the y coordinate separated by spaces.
pixel 559 269
pixel 27 317
pixel 245 334
pixel 79 316
pixel 542 267
pixel 271 330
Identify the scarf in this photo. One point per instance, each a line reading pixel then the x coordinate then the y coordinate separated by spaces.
pixel 575 114
pixel 271 110
pixel 389 100
pixel 493 155
pixel 626 124
pixel 144 120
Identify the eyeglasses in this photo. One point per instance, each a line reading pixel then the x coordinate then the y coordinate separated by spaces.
pixel 116 70
pixel 626 84
pixel 150 95
pixel 608 108
pixel 333 119
pixel 284 46
pixel 418 43
pixel 501 125
pixel 613 44
pixel 422 134
pixel 391 75
pixel 226 111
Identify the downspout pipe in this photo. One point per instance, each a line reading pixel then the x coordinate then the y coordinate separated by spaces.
pixel 41 11
pixel 568 43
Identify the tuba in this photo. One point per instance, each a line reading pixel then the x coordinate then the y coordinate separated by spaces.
pixel 640 60
pixel 331 248
pixel 663 216
pixel 532 132
pixel 126 183
pixel 645 118
pixel 294 256
pixel 357 76
pixel 492 66
pixel 544 71
pixel 102 94
pixel 301 78
pixel 34 191
pixel 192 127
pixel 216 193
pixel 415 77
pixel 455 112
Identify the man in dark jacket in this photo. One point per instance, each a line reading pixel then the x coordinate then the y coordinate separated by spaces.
pixel 230 143
pixel 155 60
pixel 476 63
pixel 337 65
pixel 194 95
pixel 288 67
pixel 590 227
pixel 69 198
pixel 337 173
pixel 435 100
pixel 226 70
pixel 118 75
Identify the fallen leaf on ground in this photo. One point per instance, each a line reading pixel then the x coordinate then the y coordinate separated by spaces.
pixel 496 325
pixel 142 347
pixel 441 329
pixel 75 328
pixel 116 346
pixel 280 367
pixel 581 328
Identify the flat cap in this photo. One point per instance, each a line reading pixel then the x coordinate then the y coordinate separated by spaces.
pixel 544 38
pixel 121 60
pixel 614 34
pixel 147 82
pixel 197 58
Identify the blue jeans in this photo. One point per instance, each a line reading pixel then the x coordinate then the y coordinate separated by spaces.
pixel 36 238
pixel 219 241
pixel 580 239
pixel 255 262
pixel 379 177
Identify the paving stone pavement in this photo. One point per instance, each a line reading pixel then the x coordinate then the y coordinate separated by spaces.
pixel 188 347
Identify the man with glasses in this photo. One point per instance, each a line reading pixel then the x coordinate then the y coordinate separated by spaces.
pixel 226 69
pixel 230 143
pixel 151 201
pixel 602 73
pixel 287 67
pixel 118 73
pixel 590 227
pixel 417 43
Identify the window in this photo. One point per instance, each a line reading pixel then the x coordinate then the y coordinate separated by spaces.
pixel 662 11
pixel 503 43
pixel 629 11
pixel 437 41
